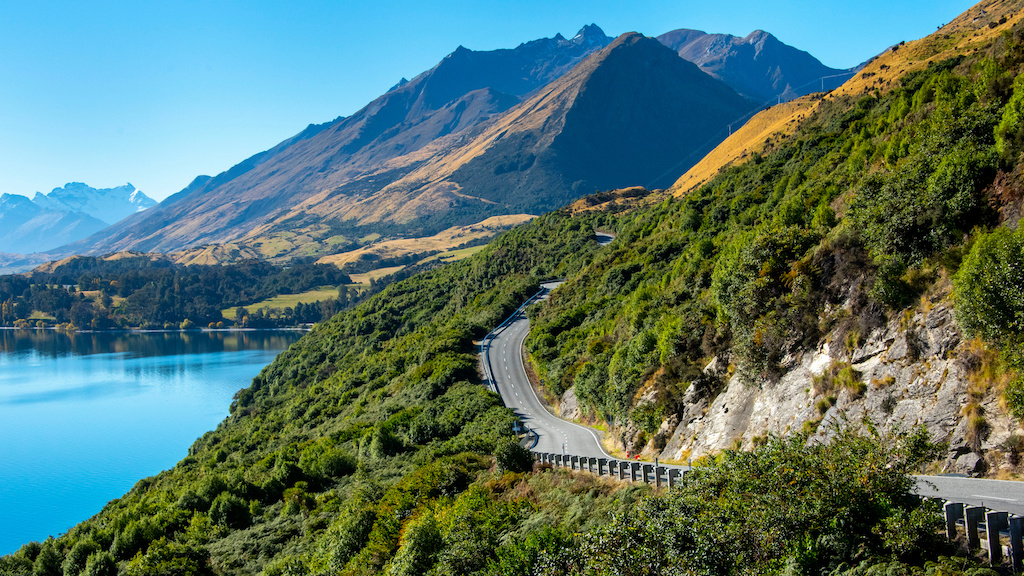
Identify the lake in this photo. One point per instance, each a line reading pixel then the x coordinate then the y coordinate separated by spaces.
pixel 84 416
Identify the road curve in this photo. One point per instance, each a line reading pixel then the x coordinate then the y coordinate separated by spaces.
pixel 502 353
pixel 503 358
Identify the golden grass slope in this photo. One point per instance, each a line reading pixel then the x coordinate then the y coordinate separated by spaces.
pixel 750 138
pixel 444 240
pixel 968 32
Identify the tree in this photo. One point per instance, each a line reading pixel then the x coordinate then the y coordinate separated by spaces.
pixel 100 564
pixel 989 288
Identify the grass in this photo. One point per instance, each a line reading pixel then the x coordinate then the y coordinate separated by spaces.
pixel 365 277
pixel 288 300
pixel 455 255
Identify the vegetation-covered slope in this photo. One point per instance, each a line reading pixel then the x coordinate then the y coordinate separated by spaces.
pixel 871 202
pixel 366 448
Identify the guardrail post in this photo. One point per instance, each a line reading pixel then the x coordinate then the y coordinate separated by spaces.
pixel 559 461
pixel 994 523
pixel 1017 542
pixel 574 463
pixel 658 471
pixel 623 468
pixel 646 469
pixel 602 467
pixel 673 473
pixel 974 515
pixel 594 465
pixel 953 511
pixel 633 467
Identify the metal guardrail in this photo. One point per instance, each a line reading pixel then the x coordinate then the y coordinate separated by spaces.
pixel 995 524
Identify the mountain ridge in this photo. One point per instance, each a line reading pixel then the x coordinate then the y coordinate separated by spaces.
pixel 328 185
pixel 65 215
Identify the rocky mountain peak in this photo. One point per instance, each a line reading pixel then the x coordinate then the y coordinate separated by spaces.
pixel 591 35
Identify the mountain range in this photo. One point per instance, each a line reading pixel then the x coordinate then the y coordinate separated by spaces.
pixel 502 132
pixel 64 215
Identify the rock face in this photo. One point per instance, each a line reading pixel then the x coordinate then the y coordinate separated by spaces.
pixel 911 372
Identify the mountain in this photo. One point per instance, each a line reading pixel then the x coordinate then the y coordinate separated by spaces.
pixel 106 204
pixel 829 316
pixel 64 215
pixel 464 90
pixel 758 66
pixel 633 113
pixel 480 134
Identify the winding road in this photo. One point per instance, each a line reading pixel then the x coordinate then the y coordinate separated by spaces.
pixel 502 355
pixel 503 359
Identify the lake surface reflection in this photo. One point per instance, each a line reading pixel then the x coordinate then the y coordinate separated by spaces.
pixel 85 416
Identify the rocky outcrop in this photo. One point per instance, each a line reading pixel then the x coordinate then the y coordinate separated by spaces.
pixel 910 372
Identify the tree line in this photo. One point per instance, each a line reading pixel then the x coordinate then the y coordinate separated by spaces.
pixel 138 291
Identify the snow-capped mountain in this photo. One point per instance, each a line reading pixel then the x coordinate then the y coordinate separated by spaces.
pixel 64 215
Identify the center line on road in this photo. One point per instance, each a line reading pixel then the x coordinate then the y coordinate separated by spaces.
pixel 993 498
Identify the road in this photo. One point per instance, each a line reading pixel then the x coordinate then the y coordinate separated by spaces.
pixel 1004 495
pixel 502 353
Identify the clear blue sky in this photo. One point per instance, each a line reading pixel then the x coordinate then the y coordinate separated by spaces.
pixel 156 93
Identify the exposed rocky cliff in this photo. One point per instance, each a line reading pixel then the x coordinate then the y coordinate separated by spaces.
pixel 918 369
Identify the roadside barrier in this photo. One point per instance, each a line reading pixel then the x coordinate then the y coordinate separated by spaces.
pixel 997 527
pixel 631 470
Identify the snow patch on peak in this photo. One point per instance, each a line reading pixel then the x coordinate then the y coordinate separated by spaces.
pixel 108 205
pixel 591 35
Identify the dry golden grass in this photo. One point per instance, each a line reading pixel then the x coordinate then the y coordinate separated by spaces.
pixel 445 240
pixel 215 254
pixel 967 33
pixel 748 139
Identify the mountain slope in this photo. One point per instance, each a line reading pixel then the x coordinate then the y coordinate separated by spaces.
pixel 758 66
pixel 632 113
pixel 463 90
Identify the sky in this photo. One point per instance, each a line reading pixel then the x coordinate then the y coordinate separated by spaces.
pixel 157 93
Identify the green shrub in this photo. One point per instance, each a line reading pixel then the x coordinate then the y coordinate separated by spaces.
pixel 230 511
pixel 100 564
pixel 512 457
pixel 74 562
pixel 989 288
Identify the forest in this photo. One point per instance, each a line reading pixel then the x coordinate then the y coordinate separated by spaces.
pixel 142 292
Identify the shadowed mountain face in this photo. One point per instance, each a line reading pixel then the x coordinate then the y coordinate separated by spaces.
pixel 480 134
pixel 758 66
pixel 633 114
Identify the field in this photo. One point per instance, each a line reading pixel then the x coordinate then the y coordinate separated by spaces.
pixel 288 300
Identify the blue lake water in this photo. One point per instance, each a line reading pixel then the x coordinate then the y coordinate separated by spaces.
pixel 85 416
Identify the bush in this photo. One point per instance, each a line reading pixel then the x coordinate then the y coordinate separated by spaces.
pixel 989 288
pixel 100 564
pixel 75 561
pixel 512 457
pixel 230 510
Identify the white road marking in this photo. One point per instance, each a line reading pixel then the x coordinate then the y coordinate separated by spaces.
pixel 993 498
